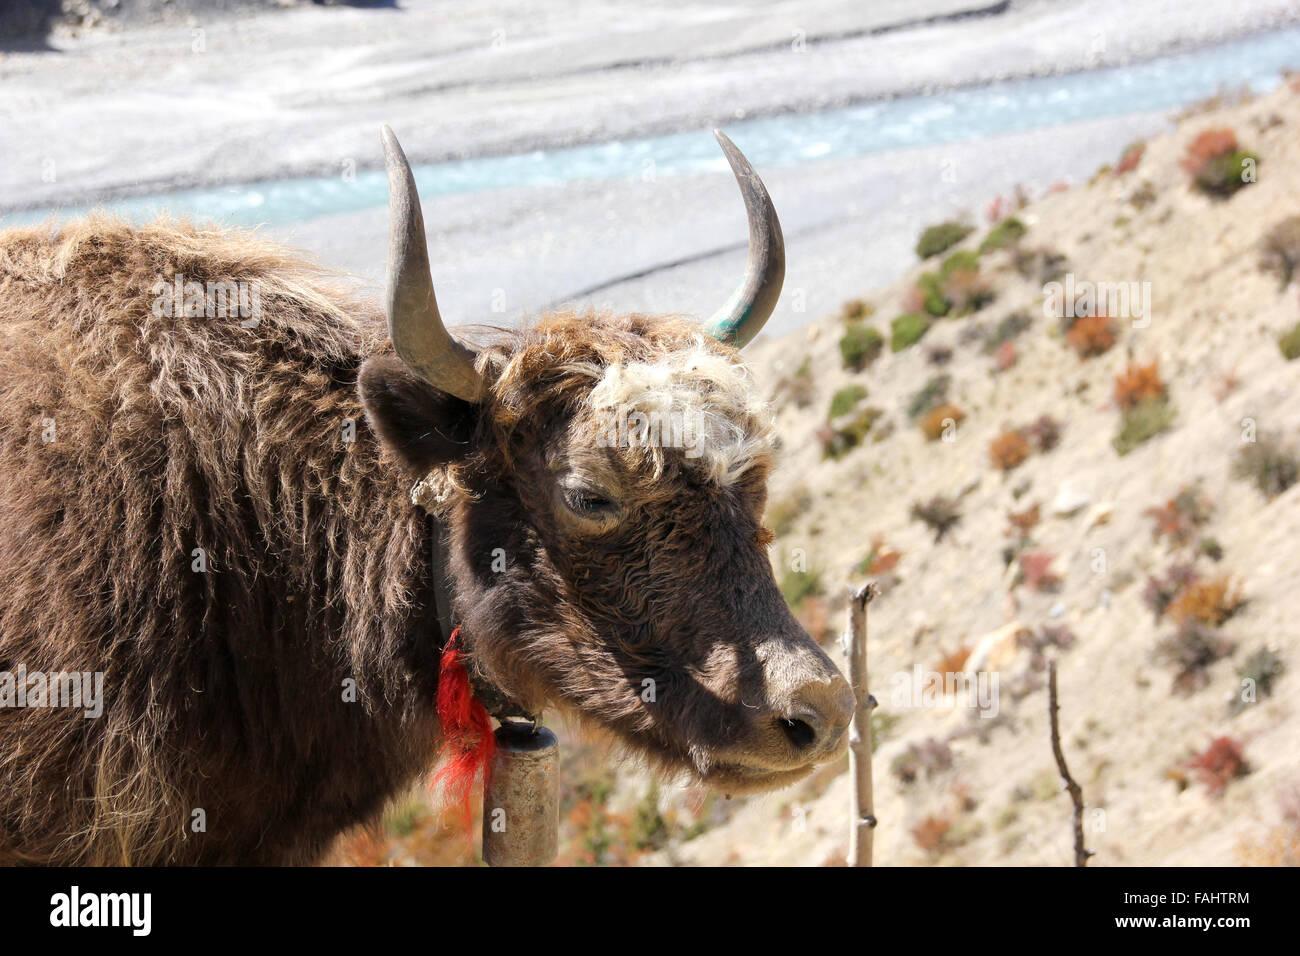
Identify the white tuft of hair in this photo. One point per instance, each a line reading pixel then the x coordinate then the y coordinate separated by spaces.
pixel 705 402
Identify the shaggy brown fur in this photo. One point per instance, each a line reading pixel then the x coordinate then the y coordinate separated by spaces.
pixel 226 689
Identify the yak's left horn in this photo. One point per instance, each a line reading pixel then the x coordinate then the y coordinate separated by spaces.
pixel 414 324
pixel 737 322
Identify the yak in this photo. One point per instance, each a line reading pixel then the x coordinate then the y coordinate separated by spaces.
pixel 213 515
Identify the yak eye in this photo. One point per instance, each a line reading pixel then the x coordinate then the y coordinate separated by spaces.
pixel 588 503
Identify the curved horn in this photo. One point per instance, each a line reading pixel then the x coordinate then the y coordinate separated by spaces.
pixel 737 322
pixel 414 325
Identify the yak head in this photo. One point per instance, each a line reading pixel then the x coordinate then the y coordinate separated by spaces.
pixel 606 479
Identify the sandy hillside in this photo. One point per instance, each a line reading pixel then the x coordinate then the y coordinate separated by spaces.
pixel 984 789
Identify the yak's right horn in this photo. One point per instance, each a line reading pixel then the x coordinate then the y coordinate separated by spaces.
pixel 414 324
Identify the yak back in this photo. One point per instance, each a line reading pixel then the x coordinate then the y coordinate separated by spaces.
pixel 194 507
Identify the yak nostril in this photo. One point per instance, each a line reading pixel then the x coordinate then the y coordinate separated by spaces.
pixel 798 732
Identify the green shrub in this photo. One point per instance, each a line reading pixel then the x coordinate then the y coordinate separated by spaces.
pixel 838 441
pixel 798 586
pixel 1260 669
pixel 860 345
pixel 928 396
pixel 907 330
pixel 1222 175
pixel 784 512
pixel 1289 343
pixel 961 259
pixel 1003 234
pixel 845 399
pixel 939 238
pixel 1144 420
pixel 1041 265
pixel 1268 464
pixel 933 298
pixel 1006 330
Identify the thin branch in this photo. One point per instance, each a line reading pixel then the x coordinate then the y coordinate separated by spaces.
pixel 862 819
pixel 1081 853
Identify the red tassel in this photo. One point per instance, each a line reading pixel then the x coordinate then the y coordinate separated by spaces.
pixel 466 729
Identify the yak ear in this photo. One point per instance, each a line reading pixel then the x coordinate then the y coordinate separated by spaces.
pixel 424 426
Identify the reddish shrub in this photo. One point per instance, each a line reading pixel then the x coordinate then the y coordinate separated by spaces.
pixel 1179 518
pixel 1036 571
pixel 1209 602
pixel 1208 145
pixel 1005 356
pixel 1091 335
pixel 1022 522
pixel 931 833
pixel 913 300
pixel 953 662
pixel 936 420
pixel 1009 450
pixel 1130 159
pixel 1220 763
pixel 1137 383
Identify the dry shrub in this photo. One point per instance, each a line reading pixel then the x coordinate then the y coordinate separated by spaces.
pixel 931 833
pixel 930 758
pixel 881 559
pixel 1044 433
pixel 1022 522
pixel 967 290
pixel 953 662
pixel 857 309
pixel 1139 383
pixel 1191 649
pixel 1005 356
pixel 939 514
pixel 1180 518
pixel 1161 591
pixel 1207 602
pixel 1091 335
pixel 1280 250
pixel 1009 450
pixel 938 419
pixel 1281 844
pixel 1269 464
pixel 412 832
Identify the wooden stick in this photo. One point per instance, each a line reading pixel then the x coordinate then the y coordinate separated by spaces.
pixel 1081 853
pixel 862 819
